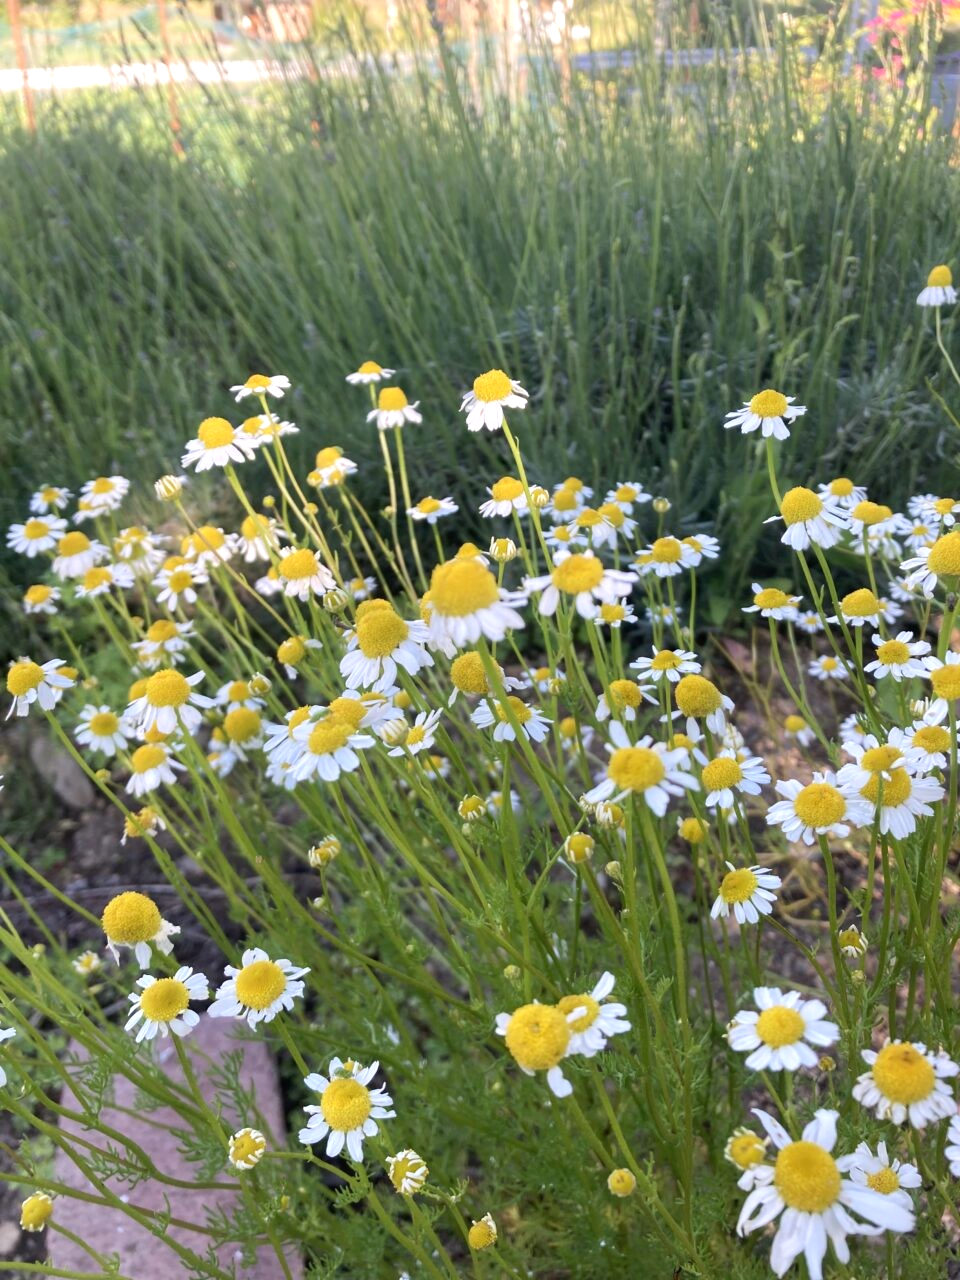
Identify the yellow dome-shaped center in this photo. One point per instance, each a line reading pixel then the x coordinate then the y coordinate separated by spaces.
pixel 131 918
pixel 903 1074
pixel 738 886
pixel 807 1177
pixel 214 433
pixel 721 773
pixel 635 768
pixel 769 404
pixel 380 633
pixel 345 1104
pixel 590 1007
pixel 167 689
pixel 164 1000
pixel 260 983
pixel 819 804
pixel 538 1036
pixel 779 1026
pixel 577 574
pixel 944 558
pixel 462 587
pixel 697 696
pixel 298 565
pixel 391 398
pixel 492 385
pixel 800 504
pixel 24 676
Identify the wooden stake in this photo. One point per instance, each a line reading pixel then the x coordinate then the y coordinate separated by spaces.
pixel 16 30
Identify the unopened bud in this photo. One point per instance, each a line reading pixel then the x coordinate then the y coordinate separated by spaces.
pixel 503 550
pixel 614 871
pixel 661 506
pixel 259 684
pixel 539 497
pixel 335 600
pixel 168 488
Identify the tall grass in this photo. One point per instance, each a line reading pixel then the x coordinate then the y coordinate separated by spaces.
pixel 649 248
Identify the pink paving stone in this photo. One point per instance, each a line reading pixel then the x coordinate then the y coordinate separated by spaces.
pixel 142 1255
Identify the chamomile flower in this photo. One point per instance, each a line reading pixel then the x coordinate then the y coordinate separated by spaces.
pixel 246 1148
pixel 348 1110
pixel 746 1151
pixel 533 725
pixel 827 667
pixel 809 519
pixel 806 1185
pixel 698 698
pixel 41 599
pixel 465 603
pixel 259 990
pixel 393 410
pixel 36 1211
pixel 492 392
pixel 852 942
pixel 920 534
pixel 939 511
pixel 578 848
pixel 145 822
pixel 208 547
pixel 701 547
pixel 890 1177
pixel 217 444
pixel 778 1035
pixel 934 564
pixel 103 578
pixel 162 1005
pixel 945 679
pixel 928 743
pixel 565 503
pixel 133 920
pixel 76 553
pixel 258 538
pixel 876 520
pixel 665 558
pixel 538 1038
pixel 859 608
pixel 36 536
pixel 407 1171
pixel 598 529
pixel 808 620
pixel 622 700
pixel 165 643
pixel 506 497
pixel 647 769
pixel 771 602
pixel 769 410
pixel 302 575
pixel 169 701
pixel 331 467
pixel 666 664
pixel 51 497
pixel 901 657
pixel 614 614
pixel 329 749
pixel 482 1233
pixel 882 776
pixel 596 1021
pixel 939 290
pixel 369 372
pixel 260 384
pixel 430 510
pixel 105 493
pixel 102 730
pixel 85 964
pixel 6 1033
pixel 728 775
pixel 584 580
pixel 843 492
pixel 28 682
pixel 627 494
pixel 907 1082
pixel 419 736
pixel 747 892
pixel 796 727
pixel 819 808
pixel 152 766
pixel 381 644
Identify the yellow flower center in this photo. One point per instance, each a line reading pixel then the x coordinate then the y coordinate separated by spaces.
pixel 427 506
pixel 940 277
pixel 481 1235
pixel 35 529
pixel 779 1026
pixel 260 983
pixel 206 538
pixel 103 724
pixel 721 773
pixel 893 653
pixel 896 788
pixel 635 768
pixel 697 696
pixel 931 738
pixel 807 1177
pixel 102 485
pixel 666 551
pixel 746 1150
pixel 467 673
pixel 577 574
pixel 666 660
pixel 345 1104
pixel 771 598
pixel 461 587
pixel 946 682
pixel 328 736
pixel 257 382
pixel 368 366
pixel 612 514
pixel 565 500
pixel 625 493
pixel 380 633
pixel 241 724
pixel 880 759
pixel 884 1180
pixel 162 631
pixel 520 711
pixel 568 727
pixel 73 544
pixel 292 651
pixel 328 456
pixel 738 886
pixel 944 506
pixel 492 386
pixel 214 433
pixel 860 604
pixel 944 558
pixel 871 513
pixel 794 724
pixel 164 1000
pixel 35 1211
pixel 254 527
pixel 97 577
pixel 799 505
pixel 507 489
pixel 588 518
pixel 38 594
pixel 350 710
pixel 819 805
pixel 246 1145
pixel 769 404
pixel 146 758
pixel 297 565
pixel 692 830
pixel 612 613
pixel 131 918
pixel 903 1074
pixel 24 676
pixel 391 398
pixel 591 1008
pixel 579 848
pixel 828 664
pixel 179 580
pixel 167 689
pixel 625 693
pixel 538 1036
pixel 415 735
pixel 841 487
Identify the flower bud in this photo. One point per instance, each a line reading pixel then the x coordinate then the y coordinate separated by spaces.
pixel 168 488
pixel 661 506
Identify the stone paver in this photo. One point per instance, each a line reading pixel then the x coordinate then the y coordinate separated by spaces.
pixel 142 1255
